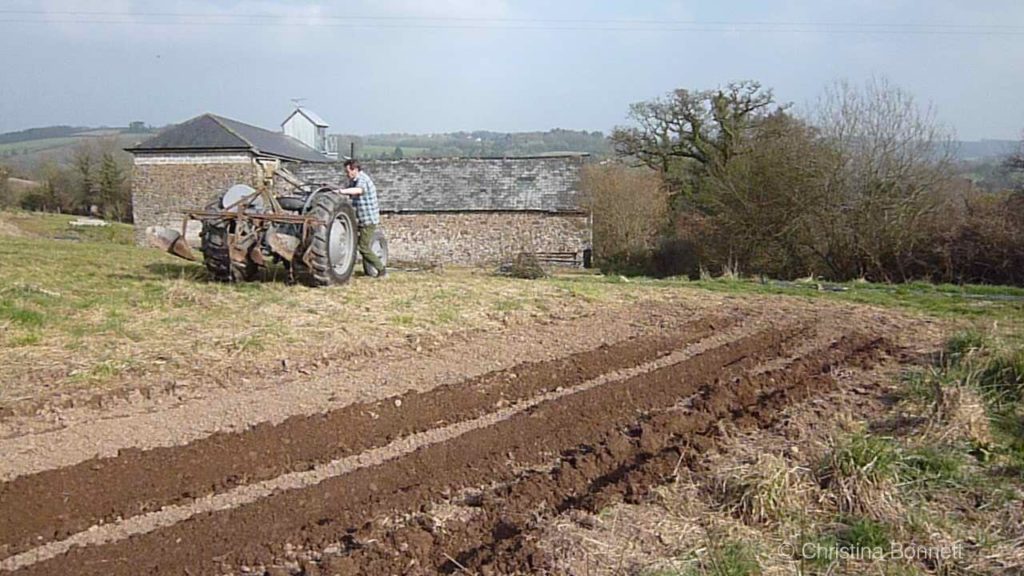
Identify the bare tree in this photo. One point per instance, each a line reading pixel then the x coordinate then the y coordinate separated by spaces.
pixel 629 207
pixel 689 134
pixel 763 204
pixel 83 162
pixel 891 163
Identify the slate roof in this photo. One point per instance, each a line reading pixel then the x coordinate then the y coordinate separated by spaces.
pixel 312 116
pixel 210 132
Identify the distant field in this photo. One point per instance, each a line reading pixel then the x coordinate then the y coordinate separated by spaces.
pixel 25 155
pixel 375 150
pixel 20 148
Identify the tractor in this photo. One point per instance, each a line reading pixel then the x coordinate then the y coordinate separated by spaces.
pixel 312 230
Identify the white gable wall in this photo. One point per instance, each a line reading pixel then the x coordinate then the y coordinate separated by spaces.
pixel 300 128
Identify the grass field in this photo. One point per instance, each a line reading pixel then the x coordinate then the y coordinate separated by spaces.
pixel 32 146
pixel 87 306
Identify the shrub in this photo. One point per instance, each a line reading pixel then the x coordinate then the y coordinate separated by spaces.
pixel 629 207
pixel 526 266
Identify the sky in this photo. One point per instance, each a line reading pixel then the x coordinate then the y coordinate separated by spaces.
pixel 503 65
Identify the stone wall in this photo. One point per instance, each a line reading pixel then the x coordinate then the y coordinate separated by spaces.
pixel 164 186
pixel 482 238
pixel 435 211
pixel 544 184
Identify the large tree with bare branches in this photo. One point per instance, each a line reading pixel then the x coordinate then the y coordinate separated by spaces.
pixel 688 135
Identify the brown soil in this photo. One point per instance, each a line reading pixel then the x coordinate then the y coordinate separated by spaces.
pixel 502 534
pixel 56 437
pixel 505 442
pixel 61 502
pixel 611 439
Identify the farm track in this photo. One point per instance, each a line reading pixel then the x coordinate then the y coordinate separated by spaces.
pixel 539 438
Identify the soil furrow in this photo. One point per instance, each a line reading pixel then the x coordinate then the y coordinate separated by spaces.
pixel 503 531
pixel 660 446
pixel 324 513
pixel 57 503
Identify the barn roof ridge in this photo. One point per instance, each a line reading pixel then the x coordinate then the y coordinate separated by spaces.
pixel 212 132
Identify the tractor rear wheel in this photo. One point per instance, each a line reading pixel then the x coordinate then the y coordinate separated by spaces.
pixel 217 257
pixel 332 247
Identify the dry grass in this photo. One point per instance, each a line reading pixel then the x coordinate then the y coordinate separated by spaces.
pixel 821 494
pixel 762 489
pixel 861 473
pixel 681 531
pixel 957 413
pixel 794 498
pixel 10 230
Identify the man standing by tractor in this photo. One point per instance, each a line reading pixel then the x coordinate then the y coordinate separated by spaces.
pixel 364 200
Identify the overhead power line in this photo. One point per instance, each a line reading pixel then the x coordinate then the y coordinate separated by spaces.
pixel 480 23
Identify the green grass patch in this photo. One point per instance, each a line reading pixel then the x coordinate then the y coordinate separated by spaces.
pixel 865 534
pixel 968 302
pixel 58 227
pixel 104 370
pixel 20 315
pixel 403 320
pixel 584 287
pixel 816 551
pixel 994 369
pixel 963 344
pixel 249 343
pixel 446 315
pixel 918 385
pixel 934 465
pixel 27 339
pixel 401 303
pixel 508 305
pixel 862 455
pixel 1001 378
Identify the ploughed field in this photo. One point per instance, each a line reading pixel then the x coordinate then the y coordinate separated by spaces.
pixel 452 459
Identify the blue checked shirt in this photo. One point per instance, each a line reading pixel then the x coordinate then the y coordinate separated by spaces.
pixel 366 205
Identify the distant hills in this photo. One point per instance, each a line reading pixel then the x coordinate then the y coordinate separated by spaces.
pixel 24 150
pixel 985 149
pixel 50 132
pixel 477 143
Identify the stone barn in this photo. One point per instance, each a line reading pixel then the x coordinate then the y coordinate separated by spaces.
pixel 477 211
pixel 188 165
pixel 463 211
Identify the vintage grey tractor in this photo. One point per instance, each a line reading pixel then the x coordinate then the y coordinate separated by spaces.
pixel 312 230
